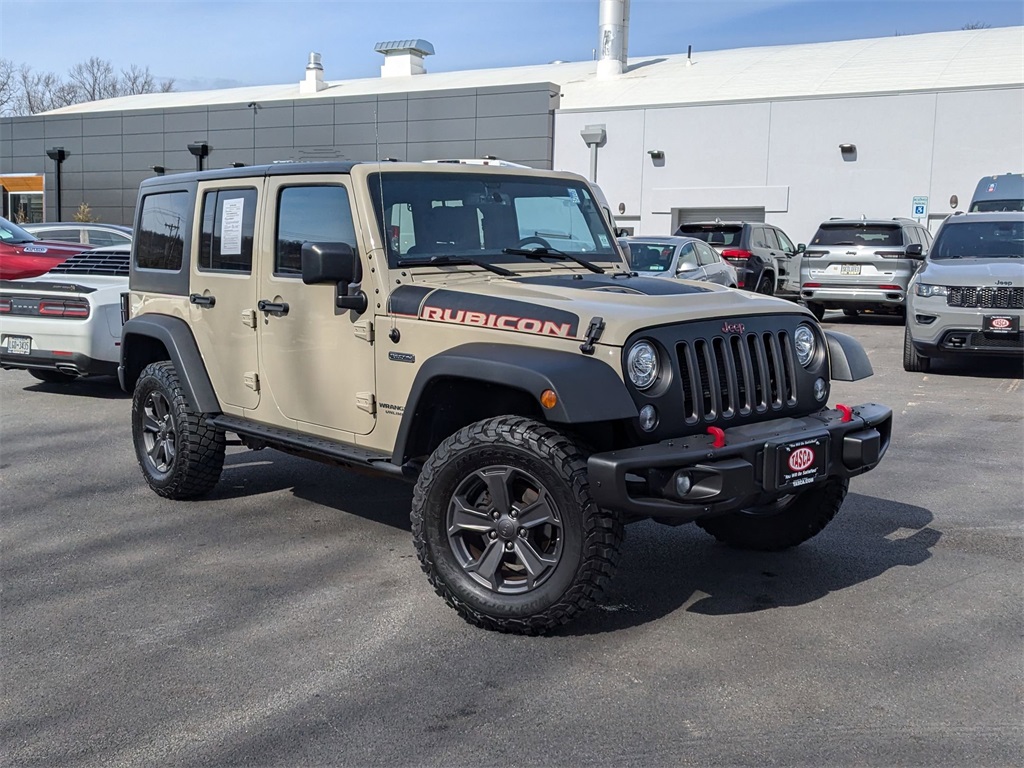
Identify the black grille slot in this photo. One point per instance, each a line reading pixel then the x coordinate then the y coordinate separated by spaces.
pixel 985 298
pixel 95 263
pixel 736 375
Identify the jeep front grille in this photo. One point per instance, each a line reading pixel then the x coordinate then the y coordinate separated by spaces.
pixel 736 374
pixel 985 298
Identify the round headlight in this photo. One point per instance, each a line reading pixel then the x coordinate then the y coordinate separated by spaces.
pixel 642 364
pixel 805 342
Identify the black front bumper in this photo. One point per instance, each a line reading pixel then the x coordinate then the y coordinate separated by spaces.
pixel 746 471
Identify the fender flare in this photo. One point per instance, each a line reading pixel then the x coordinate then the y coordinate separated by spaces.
pixel 588 389
pixel 847 359
pixel 177 339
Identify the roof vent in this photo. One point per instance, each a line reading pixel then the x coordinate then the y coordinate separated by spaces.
pixel 314 75
pixel 403 58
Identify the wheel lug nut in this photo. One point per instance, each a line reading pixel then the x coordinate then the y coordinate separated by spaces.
pixel 508 546
pixel 493 534
pixel 495 515
pixel 522 533
pixel 513 514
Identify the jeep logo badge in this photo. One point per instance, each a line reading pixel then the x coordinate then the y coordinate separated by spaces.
pixel 728 327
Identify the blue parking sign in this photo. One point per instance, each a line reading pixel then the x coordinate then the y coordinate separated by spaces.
pixel 919 210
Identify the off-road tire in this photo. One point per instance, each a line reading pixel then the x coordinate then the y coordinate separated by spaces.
pixel 766 286
pixel 52 376
pixel 912 361
pixel 817 310
pixel 769 531
pixel 590 537
pixel 197 449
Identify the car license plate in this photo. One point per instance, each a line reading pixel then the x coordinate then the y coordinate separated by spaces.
pixel 19 345
pixel 800 462
pixel 1001 324
pixel 849 269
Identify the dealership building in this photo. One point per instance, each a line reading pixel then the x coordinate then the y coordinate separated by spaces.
pixel 791 135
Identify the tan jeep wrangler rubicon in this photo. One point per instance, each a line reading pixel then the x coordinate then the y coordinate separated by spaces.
pixel 476 329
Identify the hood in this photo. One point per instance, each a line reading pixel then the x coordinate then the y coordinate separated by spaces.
pixel 563 304
pixel 974 272
pixel 18 260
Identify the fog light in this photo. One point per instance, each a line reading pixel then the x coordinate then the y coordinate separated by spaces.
pixel 648 418
pixel 683 484
pixel 820 389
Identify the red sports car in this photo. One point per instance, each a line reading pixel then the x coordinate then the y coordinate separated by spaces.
pixel 22 255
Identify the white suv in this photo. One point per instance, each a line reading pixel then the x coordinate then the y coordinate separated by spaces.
pixel 968 298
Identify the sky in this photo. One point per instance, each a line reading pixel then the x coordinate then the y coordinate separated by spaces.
pixel 225 43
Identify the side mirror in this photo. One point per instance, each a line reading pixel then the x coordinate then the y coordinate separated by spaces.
pixel 334 263
pixel 915 251
pixel 801 247
pixel 686 266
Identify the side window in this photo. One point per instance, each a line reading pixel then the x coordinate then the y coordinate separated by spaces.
pixel 784 242
pixel 310 214
pixel 911 235
pixel 770 239
pixel 229 224
pixel 103 239
pixel 926 239
pixel 705 254
pixel 160 242
pixel 62 235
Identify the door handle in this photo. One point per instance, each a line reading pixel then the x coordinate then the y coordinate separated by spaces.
pixel 270 306
pixel 202 301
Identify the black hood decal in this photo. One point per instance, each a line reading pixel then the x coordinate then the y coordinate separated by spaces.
pixel 643 286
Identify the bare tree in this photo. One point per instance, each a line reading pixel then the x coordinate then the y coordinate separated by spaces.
pixel 976 25
pixel 43 91
pixel 8 87
pixel 95 79
pixel 135 80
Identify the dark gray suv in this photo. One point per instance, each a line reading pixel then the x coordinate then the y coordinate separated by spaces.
pixel 762 254
pixel 861 264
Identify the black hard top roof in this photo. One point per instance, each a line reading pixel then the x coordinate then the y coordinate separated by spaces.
pixel 249 171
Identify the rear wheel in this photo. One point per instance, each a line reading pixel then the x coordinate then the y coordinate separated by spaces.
pixel 912 361
pixel 505 528
pixel 784 523
pixel 766 285
pixel 52 376
pixel 180 455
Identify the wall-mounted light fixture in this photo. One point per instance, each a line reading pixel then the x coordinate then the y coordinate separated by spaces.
pixel 848 149
pixel 656 154
pixel 158 169
pixel 58 155
pixel 237 164
pixel 200 149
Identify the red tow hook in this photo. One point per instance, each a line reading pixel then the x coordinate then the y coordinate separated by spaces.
pixel 719 434
pixel 847 412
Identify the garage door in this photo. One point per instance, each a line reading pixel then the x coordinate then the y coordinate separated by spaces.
pixel 689 215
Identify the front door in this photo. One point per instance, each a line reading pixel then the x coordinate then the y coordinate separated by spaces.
pixel 316 361
pixel 222 292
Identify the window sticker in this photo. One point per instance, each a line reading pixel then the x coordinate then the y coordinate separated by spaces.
pixel 574 196
pixel 231 226
pixel 604 240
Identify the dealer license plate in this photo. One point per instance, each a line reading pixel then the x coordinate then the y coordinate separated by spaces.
pixel 1001 324
pixel 19 345
pixel 801 462
pixel 849 269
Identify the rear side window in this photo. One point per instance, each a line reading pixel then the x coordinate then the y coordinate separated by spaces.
pixel 99 239
pixel 63 235
pixel 857 234
pixel 229 224
pixel 310 214
pixel 706 255
pixel 161 230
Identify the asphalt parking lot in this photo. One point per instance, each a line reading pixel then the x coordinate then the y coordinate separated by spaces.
pixel 284 620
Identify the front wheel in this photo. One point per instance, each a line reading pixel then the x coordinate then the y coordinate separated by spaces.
pixel 180 455
pixel 912 361
pixel 784 523
pixel 506 530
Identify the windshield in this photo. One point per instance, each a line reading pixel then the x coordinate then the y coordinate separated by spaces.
pixel 479 215
pixel 12 233
pixel 858 234
pixel 717 236
pixel 979 240
pixel 651 257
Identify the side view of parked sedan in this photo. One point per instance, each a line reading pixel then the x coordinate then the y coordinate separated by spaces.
pixel 685 258
pixel 92 234
pixel 22 254
pixel 66 323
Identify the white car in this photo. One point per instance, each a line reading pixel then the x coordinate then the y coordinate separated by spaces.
pixel 66 323
pixel 968 298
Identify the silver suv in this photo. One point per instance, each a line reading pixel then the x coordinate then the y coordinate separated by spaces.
pixel 968 298
pixel 860 264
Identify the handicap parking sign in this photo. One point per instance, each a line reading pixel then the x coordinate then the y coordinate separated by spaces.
pixel 919 206
pixel 918 210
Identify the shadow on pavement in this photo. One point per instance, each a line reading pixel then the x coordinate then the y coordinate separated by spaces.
pixel 97 387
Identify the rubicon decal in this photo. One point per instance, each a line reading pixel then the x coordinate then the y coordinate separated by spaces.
pixel 505 322
pixel 801 459
pixel 445 306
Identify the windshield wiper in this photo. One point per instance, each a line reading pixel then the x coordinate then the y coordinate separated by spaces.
pixel 553 253
pixel 457 261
